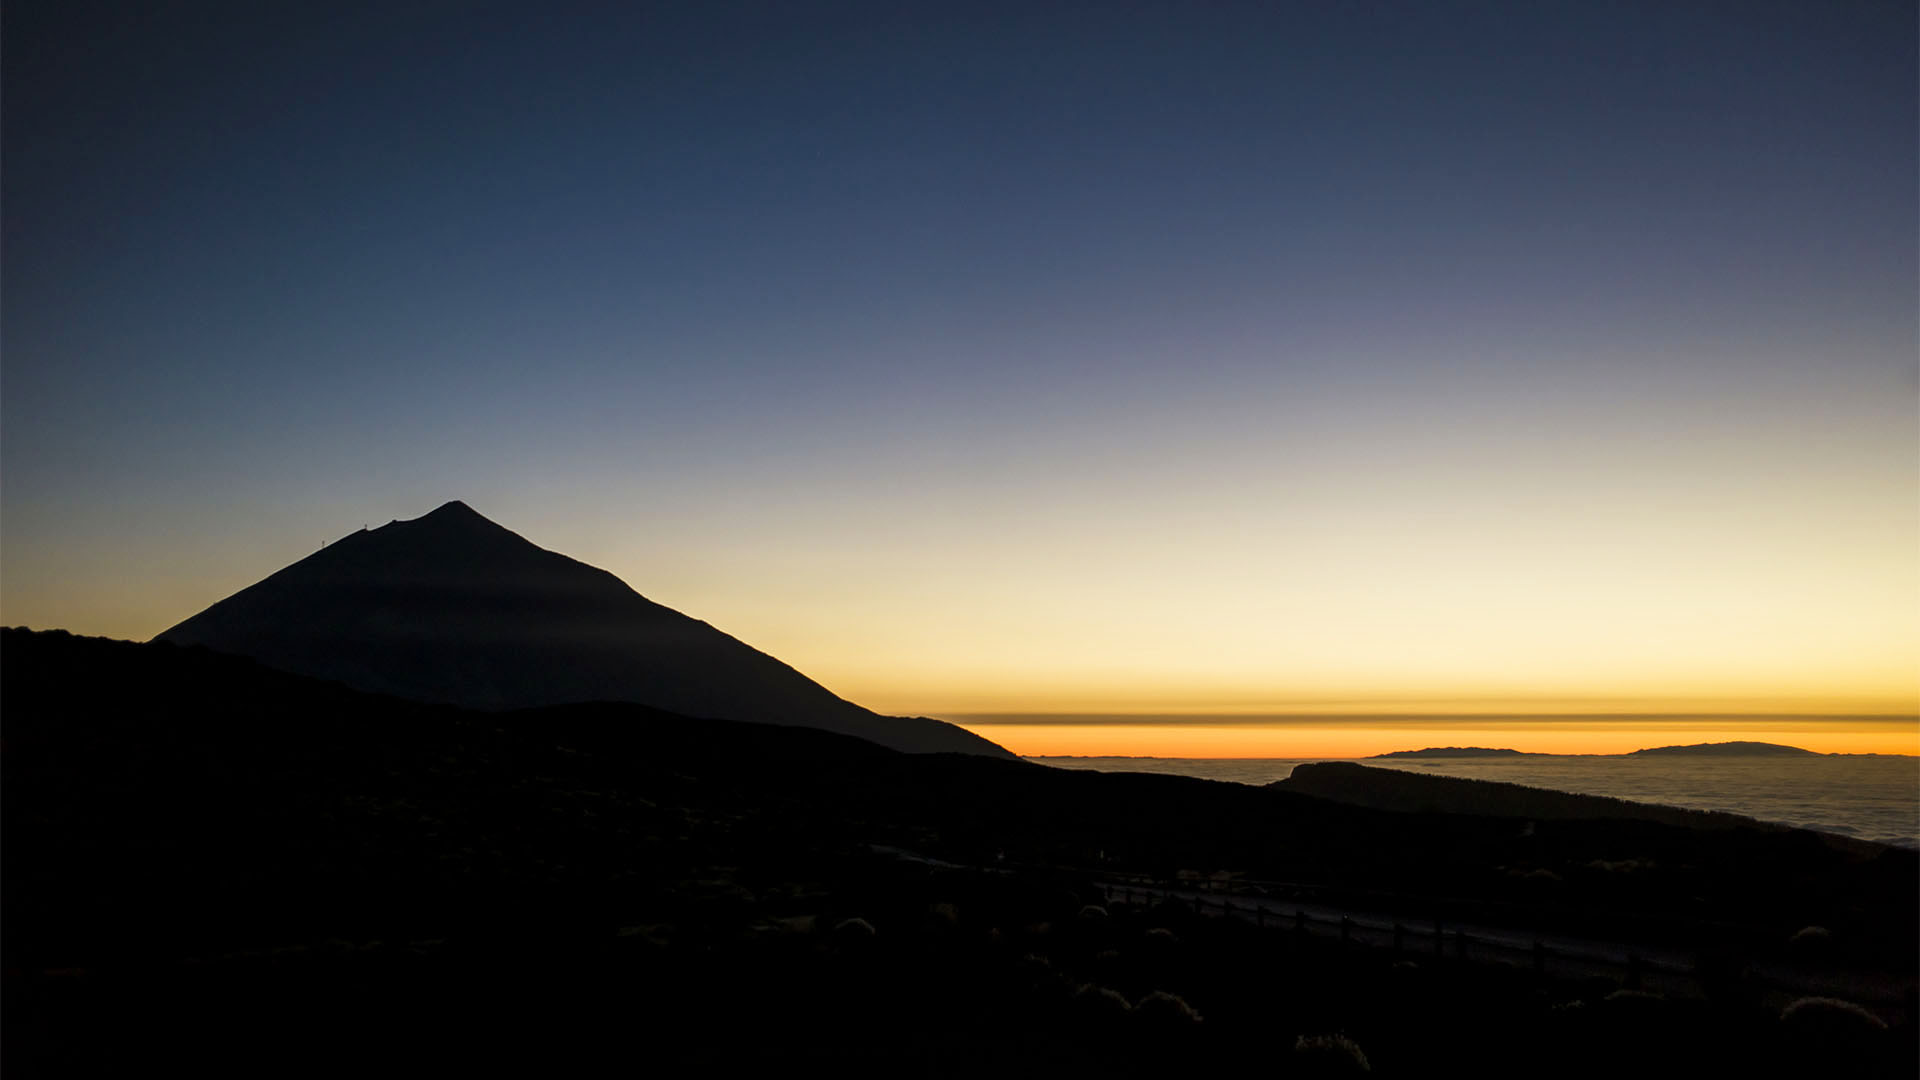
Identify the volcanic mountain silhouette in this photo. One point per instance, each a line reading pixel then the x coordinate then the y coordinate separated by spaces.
pixel 453 608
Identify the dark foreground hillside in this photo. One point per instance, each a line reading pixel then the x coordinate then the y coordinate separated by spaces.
pixel 211 864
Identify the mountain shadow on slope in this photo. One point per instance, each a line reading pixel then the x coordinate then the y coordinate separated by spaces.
pixel 454 609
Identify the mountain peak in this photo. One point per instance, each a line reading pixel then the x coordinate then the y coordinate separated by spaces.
pixel 444 542
pixel 452 607
pixel 451 523
pixel 455 514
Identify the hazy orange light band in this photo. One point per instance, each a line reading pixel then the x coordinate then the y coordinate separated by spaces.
pixel 1204 739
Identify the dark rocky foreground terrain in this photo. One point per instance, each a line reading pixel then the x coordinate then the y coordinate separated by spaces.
pixel 215 866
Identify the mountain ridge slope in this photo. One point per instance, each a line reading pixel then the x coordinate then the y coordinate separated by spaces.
pixel 452 607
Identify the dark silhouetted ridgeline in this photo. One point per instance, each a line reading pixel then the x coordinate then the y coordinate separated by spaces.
pixel 1422 793
pixel 256 873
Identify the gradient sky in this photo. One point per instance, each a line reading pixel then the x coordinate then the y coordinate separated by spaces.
pixel 1028 358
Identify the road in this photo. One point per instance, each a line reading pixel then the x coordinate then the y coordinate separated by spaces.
pixel 1665 970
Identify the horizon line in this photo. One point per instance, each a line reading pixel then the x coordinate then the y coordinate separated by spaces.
pixel 1240 719
pixel 1392 753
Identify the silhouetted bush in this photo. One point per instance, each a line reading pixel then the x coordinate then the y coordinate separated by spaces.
pixel 1810 944
pixel 1048 992
pixel 943 916
pixel 1635 1013
pixel 1830 1017
pixel 1328 1056
pixel 1163 1010
pixel 1098 1004
pixel 854 933
pixel 1832 1037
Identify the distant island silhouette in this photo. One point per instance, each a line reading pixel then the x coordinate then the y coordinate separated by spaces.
pixel 1725 749
pixel 1458 752
pixel 453 608
pixel 1722 749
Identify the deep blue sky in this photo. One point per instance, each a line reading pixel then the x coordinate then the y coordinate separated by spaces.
pixel 725 296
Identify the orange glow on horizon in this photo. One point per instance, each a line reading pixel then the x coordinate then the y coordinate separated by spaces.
pixel 1307 739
